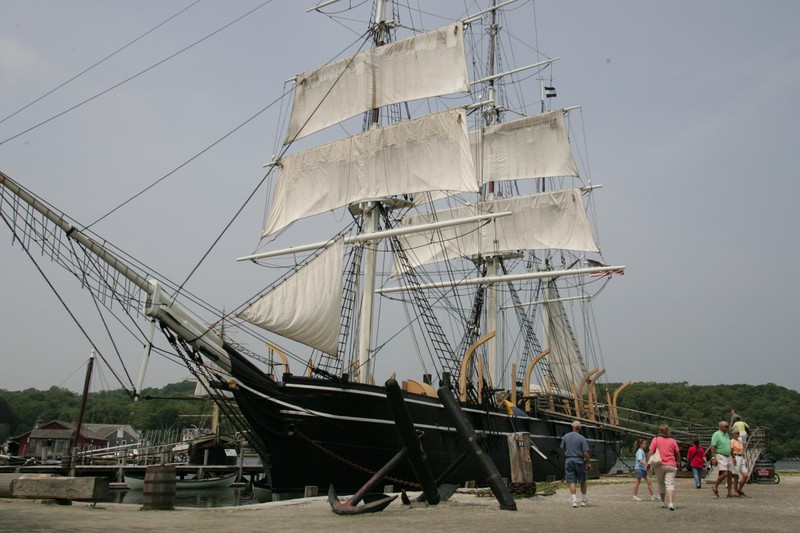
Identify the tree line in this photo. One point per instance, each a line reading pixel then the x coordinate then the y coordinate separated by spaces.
pixel 770 405
pixel 171 406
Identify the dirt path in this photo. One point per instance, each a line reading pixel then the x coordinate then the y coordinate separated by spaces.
pixel 767 508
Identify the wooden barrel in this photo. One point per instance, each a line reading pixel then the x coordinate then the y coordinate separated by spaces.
pixel 159 488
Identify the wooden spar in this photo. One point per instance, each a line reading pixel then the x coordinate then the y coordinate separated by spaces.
pixel 575 400
pixel 462 378
pixel 514 388
pixel 614 401
pixel 527 382
pixel 271 348
pixel 79 422
pixel 581 388
pixel 593 411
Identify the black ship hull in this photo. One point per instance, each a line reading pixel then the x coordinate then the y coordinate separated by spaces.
pixel 322 432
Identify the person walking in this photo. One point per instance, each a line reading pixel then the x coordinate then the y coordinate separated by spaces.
pixel 665 470
pixel 720 451
pixel 743 428
pixel 641 471
pixel 696 458
pixel 576 462
pixel 739 470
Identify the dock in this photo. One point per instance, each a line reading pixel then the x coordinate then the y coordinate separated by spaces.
pixel 116 473
pixel 768 507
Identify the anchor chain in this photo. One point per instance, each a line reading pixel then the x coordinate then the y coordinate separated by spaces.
pixel 355 465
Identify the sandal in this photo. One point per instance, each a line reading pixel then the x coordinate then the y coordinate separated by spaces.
pixel 715 491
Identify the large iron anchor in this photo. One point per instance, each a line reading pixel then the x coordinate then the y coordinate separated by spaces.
pixel 374 502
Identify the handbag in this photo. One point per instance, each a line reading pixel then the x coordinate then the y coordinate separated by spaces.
pixel 655 459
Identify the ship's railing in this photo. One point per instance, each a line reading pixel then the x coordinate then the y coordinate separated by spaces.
pixel 627 421
pixel 137 453
pixel 757 445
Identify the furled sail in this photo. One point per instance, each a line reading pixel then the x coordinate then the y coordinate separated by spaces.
pixel 566 362
pixel 426 154
pixel 306 306
pixel 529 147
pixel 422 66
pixel 551 220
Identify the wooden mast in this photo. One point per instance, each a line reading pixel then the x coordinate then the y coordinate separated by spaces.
pixel 79 422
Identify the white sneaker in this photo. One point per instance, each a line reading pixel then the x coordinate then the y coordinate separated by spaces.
pixel 585 503
pixel 575 505
pixel 637 499
pixel 671 507
pixel 654 498
pixel 664 505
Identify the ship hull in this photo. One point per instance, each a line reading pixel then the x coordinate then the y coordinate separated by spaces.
pixel 325 432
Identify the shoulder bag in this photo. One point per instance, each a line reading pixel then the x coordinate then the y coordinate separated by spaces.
pixel 655 459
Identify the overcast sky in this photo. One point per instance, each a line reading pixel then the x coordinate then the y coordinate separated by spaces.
pixel 691 111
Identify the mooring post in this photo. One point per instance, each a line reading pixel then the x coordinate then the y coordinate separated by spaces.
pixel 470 438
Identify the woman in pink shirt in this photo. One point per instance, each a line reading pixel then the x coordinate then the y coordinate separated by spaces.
pixel 670 459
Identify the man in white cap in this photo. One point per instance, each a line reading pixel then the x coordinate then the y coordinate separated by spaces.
pixel 576 454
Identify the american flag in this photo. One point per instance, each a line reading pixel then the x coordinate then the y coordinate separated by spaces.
pixel 619 271
pixel 593 263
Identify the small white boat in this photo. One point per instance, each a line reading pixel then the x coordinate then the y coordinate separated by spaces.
pixel 223 482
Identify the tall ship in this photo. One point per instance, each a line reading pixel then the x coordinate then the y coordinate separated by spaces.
pixel 452 246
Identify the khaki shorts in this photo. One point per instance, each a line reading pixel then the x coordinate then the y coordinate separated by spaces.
pixel 740 467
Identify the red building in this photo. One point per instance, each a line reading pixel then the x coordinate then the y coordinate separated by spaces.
pixel 54 440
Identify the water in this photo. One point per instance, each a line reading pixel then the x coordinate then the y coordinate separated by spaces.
pixel 228 497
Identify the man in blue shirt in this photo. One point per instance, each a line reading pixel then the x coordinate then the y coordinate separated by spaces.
pixel 576 453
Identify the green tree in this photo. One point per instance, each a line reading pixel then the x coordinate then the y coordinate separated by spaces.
pixel 770 405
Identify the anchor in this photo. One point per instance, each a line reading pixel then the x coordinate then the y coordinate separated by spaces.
pixel 445 489
pixel 375 502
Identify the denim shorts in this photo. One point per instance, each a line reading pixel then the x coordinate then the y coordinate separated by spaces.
pixel 575 470
pixel 640 472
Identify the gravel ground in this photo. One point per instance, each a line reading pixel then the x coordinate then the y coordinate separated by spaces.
pixel 767 508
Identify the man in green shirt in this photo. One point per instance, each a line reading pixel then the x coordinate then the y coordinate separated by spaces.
pixel 720 452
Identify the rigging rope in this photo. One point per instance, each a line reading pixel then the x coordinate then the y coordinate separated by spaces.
pixel 151 67
pixel 84 71
pixel 63 303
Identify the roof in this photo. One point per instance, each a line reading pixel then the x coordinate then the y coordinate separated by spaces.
pixel 64 432
pixel 39 433
pixel 106 430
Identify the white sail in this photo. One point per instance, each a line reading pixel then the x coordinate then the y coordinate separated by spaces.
pixel 306 306
pixel 530 147
pixel 564 358
pixel 427 154
pixel 422 66
pixel 551 220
